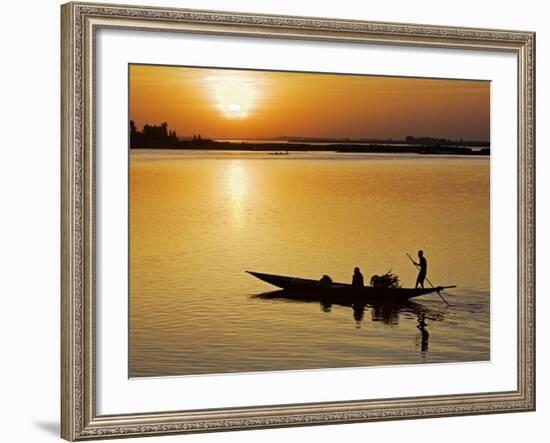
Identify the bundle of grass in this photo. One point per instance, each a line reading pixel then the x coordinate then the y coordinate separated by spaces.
pixel 387 280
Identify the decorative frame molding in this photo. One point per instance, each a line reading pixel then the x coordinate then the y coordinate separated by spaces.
pixel 79 24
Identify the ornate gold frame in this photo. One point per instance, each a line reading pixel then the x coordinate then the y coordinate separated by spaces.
pixel 80 21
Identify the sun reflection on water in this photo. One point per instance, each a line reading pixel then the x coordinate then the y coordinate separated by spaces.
pixel 237 188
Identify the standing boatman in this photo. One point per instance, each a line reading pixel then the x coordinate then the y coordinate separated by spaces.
pixel 423 266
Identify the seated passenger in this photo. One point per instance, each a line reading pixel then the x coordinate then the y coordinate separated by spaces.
pixel 357 281
pixel 325 281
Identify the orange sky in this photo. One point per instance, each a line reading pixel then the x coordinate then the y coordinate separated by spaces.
pixel 233 104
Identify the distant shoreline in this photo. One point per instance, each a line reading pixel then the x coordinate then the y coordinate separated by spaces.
pixel 284 148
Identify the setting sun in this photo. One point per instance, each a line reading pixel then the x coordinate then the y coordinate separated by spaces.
pixel 234 93
pixel 233 110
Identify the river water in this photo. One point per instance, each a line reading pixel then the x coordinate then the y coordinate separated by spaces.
pixel 199 219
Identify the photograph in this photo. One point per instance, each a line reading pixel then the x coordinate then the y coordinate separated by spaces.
pixel 285 220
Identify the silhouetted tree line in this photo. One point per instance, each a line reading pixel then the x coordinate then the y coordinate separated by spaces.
pixel 152 136
pixel 160 137
pixel 433 141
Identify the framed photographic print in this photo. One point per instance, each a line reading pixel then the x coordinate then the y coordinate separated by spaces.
pixel 282 221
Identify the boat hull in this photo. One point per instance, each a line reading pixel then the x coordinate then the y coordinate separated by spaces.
pixel 306 289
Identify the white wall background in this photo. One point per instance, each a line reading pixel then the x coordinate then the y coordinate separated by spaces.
pixel 29 221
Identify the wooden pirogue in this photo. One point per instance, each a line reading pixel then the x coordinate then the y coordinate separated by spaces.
pixel 317 290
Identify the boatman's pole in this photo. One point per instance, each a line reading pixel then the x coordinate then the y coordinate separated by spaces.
pixel 428 280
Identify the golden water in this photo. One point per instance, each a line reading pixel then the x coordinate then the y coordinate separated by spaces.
pixel 198 220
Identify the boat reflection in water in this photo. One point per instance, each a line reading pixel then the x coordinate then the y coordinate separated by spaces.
pixel 385 313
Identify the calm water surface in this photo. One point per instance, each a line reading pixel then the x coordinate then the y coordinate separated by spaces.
pixel 198 220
